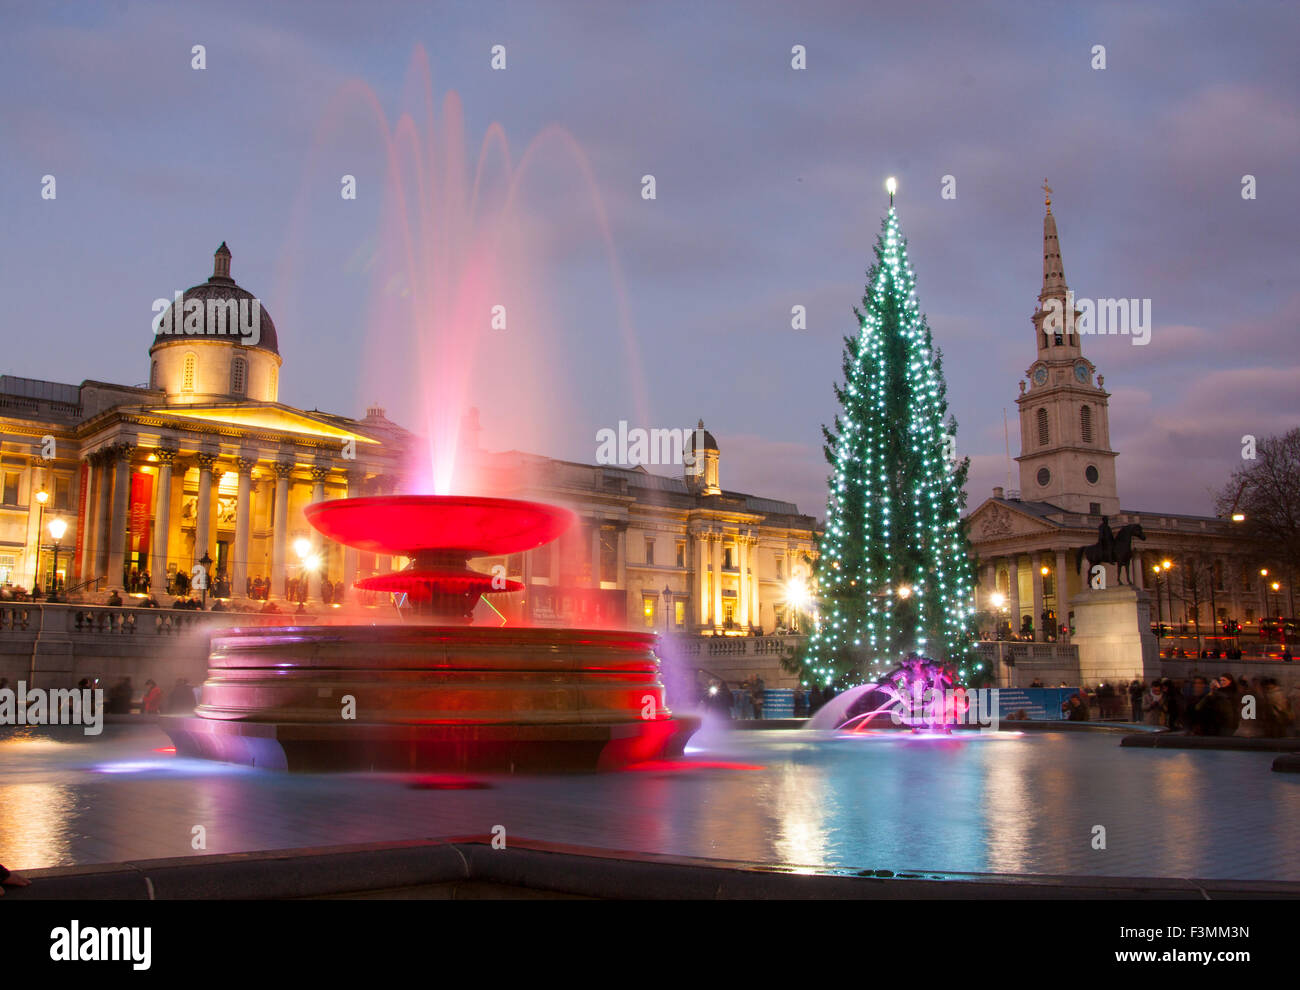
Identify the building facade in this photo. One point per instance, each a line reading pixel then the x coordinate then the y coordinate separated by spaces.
pixel 1026 541
pixel 203 463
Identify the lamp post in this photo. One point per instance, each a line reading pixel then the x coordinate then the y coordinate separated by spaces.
pixel 668 602
pixel 1165 565
pixel 1160 618
pixel 57 528
pixel 206 562
pixel 42 497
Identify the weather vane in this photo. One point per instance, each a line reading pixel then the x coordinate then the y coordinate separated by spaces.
pixel 1048 190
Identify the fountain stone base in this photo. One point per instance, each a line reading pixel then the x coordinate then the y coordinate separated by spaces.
pixel 407 697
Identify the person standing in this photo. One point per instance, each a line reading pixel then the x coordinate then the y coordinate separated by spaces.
pixel 151 703
pixel 1154 705
pixel 757 691
pixel 1135 692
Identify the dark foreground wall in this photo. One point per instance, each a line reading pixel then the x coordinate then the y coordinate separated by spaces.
pixel 442 868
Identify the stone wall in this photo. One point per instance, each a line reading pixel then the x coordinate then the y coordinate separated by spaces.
pixel 49 646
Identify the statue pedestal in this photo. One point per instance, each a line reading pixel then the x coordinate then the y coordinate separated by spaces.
pixel 1113 634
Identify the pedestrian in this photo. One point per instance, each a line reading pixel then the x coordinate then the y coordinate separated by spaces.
pixel 1135 691
pixel 151 703
pixel 181 699
pixel 757 693
pixel 119 698
pixel 1194 717
pixel 1173 704
pixel 1255 726
pixel 1154 705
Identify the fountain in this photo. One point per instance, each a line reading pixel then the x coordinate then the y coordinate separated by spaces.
pixel 917 695
pixel 443 694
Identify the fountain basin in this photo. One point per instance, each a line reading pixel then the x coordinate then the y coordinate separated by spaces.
pixel 432 697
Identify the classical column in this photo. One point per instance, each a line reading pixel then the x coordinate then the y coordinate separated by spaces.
pixel 90 545
pixel 1138 571
pixel 1013 593
pixel 243 524
pixel 620 565
pixel 280 530
pixel 742 591
pixel 318 476
pixel 595 553
pixel 203 507
pixel 1037 575
pixel 755 605
pixel 162 521
pixel 1062 585
pixel 117 526
pixel 103 513
pixel 701 581
pixel 716 539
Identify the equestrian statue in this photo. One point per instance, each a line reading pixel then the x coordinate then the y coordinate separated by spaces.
pixel 1112 548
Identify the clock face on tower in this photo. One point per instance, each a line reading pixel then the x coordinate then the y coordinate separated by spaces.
pixel 1040 376
pixel 1081 373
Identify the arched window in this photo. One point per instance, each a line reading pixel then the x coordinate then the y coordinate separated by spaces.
pixel 153 373
pixel 1085 423
pixel 1043 436
pixel 238 376
pixel 187 378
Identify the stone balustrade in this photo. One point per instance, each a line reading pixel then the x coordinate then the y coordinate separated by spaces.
pixel 737 646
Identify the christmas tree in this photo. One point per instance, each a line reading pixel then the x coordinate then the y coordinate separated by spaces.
pixel 894 575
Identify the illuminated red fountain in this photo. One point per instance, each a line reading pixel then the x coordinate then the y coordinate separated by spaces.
pixel 445 695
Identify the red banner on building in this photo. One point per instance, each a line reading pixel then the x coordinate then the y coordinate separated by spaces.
pixel 141 497
pixel 81 519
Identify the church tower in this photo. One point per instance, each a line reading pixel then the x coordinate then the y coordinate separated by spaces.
pixel 1065 456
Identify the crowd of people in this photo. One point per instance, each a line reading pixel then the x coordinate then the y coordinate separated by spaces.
pixel 747 701
pixel 120 698
pixel 1218 706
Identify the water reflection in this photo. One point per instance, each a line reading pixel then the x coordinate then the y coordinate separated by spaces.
pixel 36 824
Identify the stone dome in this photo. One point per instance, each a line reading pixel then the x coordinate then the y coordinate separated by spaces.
pixel 219 288
pixel 709 442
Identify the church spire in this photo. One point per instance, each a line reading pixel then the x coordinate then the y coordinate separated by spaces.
pixel 1053 271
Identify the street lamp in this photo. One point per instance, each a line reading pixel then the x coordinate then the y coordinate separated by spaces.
pixel 668 600
pixel 999 603
pixel 57 528
pixel 206 562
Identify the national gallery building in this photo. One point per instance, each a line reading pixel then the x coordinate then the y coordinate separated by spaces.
pixel 203 467
pixel 1026 540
